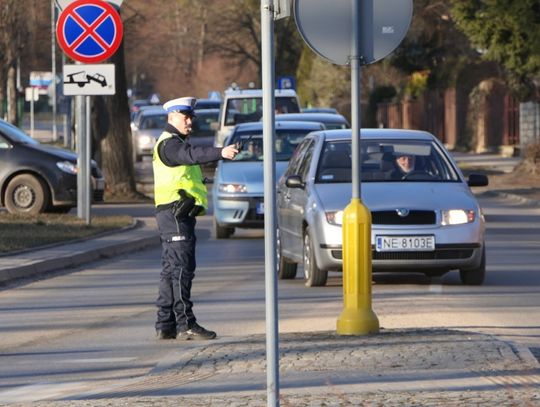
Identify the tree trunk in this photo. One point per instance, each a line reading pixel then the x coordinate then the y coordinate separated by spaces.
pixel 116 147
pixel 12 95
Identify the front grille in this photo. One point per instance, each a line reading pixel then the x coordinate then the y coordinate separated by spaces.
pixel 438 254
pixel 414 217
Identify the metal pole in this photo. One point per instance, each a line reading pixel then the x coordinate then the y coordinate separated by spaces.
pixel 32 112
pixel 87 158
pixel 272 348
pixel 53 58
pixel 80 147
pixel 355 101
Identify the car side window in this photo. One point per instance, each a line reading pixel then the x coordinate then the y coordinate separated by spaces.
pixel 296 158
pixel 303 169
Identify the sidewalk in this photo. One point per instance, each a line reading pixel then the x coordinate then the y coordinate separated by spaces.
pixel 393 368
pixel 37 263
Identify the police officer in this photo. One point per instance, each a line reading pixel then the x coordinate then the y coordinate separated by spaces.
pixel 180 195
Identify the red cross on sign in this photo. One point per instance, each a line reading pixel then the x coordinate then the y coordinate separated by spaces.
pixel 89 30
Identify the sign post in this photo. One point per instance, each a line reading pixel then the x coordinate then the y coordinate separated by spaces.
pixel 356 32
pixel 88 31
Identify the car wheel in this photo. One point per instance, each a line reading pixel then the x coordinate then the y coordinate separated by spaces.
pixel 315 277
pixel 222 232
pixel 286 268
pixel 27 194
pixel 474 276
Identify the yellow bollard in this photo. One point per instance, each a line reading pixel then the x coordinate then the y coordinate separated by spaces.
pixel 357 317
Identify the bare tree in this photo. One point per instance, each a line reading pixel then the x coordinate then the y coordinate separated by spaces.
pixel 14 32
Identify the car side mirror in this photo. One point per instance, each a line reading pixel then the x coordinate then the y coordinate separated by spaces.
pixel 477 180
pixel 295 181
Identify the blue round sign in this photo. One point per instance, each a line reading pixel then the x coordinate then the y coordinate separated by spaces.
pixel 89 30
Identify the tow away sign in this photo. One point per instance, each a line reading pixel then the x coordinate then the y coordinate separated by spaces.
pixel 89 80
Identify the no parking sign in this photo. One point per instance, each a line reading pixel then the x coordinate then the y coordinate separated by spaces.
pixel 89 30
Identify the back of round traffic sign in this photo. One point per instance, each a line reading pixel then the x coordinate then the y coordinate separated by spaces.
pixel 89 30
pixel 327 27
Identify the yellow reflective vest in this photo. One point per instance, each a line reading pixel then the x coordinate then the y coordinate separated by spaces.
pixel 168 180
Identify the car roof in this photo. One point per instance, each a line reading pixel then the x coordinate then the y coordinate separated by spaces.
pixel 207 111
pixel 323 117
pixel 257 92
pixel 152 110
pixel 288 125
pixel 345 134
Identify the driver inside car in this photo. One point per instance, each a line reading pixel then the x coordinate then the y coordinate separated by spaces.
pixel 404 164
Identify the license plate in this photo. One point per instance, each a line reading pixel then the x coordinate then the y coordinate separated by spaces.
pixel 405 243
pixel 260 208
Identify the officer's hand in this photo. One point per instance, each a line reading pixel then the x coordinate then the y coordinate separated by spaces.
pixel 229 152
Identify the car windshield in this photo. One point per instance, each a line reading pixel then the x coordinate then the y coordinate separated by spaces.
pixel 153 122
pixel 386 161
pixel 203 121
pixel 15 134
pixel 249 109
pixel 252 144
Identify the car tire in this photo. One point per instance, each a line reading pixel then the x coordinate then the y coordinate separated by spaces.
pixel 27 194
pixel 315 277
pixel 286 268
pixel 474 276
pixel 222 232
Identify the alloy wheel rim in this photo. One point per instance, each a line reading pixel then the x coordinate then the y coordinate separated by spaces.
pixel 23 197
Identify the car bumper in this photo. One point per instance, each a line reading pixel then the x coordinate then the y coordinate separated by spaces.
pixel 456 247
pixel 245 212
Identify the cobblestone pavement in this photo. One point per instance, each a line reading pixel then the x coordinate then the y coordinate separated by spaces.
pixel 433 367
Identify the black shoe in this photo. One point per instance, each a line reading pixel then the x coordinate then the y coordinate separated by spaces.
pixel 165 334
pixel 196 333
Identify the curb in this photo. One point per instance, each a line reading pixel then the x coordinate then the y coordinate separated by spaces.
pixel 41 267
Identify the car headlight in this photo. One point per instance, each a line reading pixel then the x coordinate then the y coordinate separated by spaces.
pixel 67 166
pixel 146 140
pixel 457 217
pixel 335 218
pixel 232 188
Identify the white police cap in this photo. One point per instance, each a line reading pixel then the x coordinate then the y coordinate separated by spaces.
pixel 184 105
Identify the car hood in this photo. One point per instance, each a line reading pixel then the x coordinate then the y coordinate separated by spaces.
pixel 385 196
pixel 250 173
pixel 58 152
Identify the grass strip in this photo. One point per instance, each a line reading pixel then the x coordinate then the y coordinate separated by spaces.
pixel 18 232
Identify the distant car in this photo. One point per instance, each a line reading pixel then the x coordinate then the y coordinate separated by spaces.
pixel 146 129
pixel 203 131
pixel 427 221
pixel 331 121
pixel 320 110
pixel 208 104
pixel 36 178
pixel 237 193
pixel 245 105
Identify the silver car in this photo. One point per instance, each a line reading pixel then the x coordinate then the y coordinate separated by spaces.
pixel 425 220
pixel 238 189
pixel 146 129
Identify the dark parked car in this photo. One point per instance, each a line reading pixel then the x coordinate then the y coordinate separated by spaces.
pixel 36 177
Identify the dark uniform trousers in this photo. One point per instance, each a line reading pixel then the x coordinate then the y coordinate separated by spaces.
pixel 178 269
